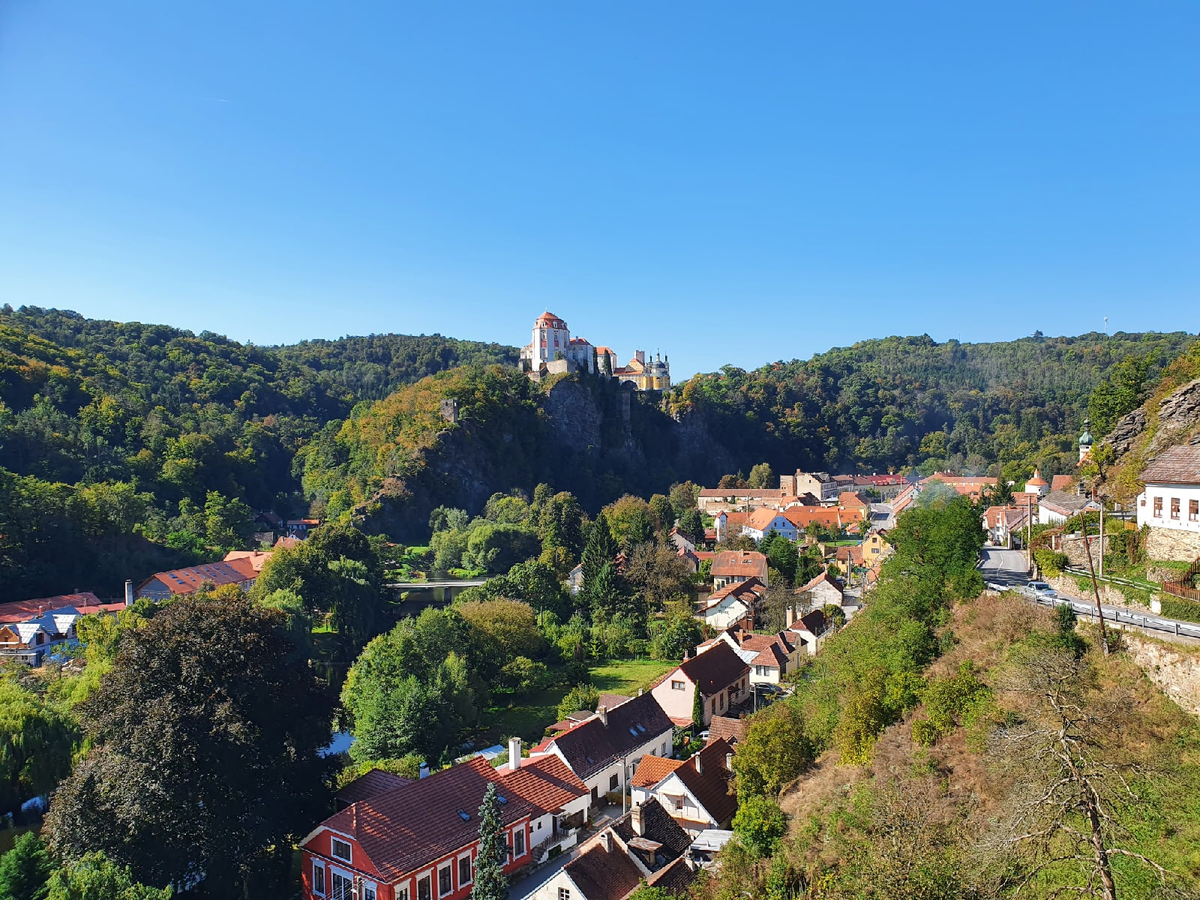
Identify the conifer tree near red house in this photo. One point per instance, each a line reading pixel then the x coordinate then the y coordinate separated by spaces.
pixel 490 880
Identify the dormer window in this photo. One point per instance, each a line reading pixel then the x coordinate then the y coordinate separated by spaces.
pixel 340 849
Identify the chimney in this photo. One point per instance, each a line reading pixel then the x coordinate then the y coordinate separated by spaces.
pixel 641 691
pixel 637 820
pixel 602 714
pixel 514 754
pixel 729 761
pixel 128 593
pixel 424 771
pixel 790 615
pixel 699 765
pixel 606 840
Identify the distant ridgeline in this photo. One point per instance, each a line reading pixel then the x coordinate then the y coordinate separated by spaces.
pixel 127 448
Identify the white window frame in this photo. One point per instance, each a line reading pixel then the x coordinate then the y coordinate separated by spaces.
pixel 678 686
pixel 319 866
pixel 470 870
pixel 440 869
pixel 519 833
pixel 370 891
pixel 348 859
pixel 427 876
pixel 564 893
pixel 401 892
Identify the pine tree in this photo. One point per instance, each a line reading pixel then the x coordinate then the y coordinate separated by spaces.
pixel 490 881
pixel 698 708
pixel 25 869
pixel 600 550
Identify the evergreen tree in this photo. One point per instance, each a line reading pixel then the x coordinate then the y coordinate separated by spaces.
pixel 600 550
pixel 490 881
pixel 698 708
pixel 25 869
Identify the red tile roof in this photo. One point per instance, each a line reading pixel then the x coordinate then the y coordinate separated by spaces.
pixel 1061 482
pixel 186 581
pixel 371 784
pixel 825 516
pixel 653 769
pixel 416 824
pixel 710 785
pixel 256 558
pixel 740 564
pixel 727 729
pixel 86 602
pixel 604 874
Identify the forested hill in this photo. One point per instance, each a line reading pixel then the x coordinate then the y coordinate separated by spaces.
pixel 911 401
pixel 126 447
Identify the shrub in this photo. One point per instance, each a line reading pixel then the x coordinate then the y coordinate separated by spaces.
pixel 580 697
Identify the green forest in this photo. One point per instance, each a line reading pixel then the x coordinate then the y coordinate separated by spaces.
pixel 127 448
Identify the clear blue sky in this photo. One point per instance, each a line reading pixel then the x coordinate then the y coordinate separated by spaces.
pixel 727 182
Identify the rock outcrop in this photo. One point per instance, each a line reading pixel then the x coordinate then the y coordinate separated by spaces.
pixel 1178 414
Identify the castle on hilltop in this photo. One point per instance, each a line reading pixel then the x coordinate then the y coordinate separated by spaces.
pixel 552 350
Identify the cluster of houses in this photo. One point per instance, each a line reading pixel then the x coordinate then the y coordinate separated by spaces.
pixel 394 838
pixel 33 630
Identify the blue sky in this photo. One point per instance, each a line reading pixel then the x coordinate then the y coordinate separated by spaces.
pixel 729 183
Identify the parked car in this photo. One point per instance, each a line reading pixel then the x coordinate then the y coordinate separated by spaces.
pixel 1041 590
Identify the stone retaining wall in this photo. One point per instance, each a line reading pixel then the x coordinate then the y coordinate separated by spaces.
pixel 1175 671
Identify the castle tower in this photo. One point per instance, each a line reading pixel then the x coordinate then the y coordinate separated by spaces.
pixel 550 337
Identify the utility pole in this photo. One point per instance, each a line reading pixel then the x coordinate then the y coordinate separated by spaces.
pixel 1087 545
pixel 1101 499
pixel 1028 534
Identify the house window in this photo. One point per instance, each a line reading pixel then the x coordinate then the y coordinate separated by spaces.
pixel 520 837
pixel 564 894
pixel 464 871
pixel 340 887
pixel 677 685
pixel 1158 507
pixel 424 889
pixel 368 893
pixel 340 850
pixel 1174 507
pixel 318 879
pixel 402 893
pixel 445 881
pixel 1193 510
pixel 612 783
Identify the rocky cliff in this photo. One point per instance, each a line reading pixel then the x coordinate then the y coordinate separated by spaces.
pixel 585 435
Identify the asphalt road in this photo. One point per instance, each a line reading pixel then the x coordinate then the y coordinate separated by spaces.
pixel 1005 569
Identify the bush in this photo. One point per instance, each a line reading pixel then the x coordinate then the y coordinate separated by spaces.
pixel 1050 563
pixel 580 697
pixel 760 824
pixel 1178 608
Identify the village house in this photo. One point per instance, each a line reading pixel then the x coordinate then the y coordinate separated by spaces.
pixel 601 750
pixel 716 500
pixel 763 521
pixel 644 845
pixel 734 604
pixel 971 486
pixel 301 528
pixel 731 566
pixel 819 484
pixel 828 517
pixel 162 585
pixel 31 629
pixel 810 630
pixel 728 524
pixel 820 592
pixel 718 673
pixel 1002 522
pixel 1170 504
pixel 727 729
pixel 770 656
pixel 883 486
pixel 694 792
pixel 419 840
pixel 1057 506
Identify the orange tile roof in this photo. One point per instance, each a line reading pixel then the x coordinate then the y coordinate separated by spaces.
pixel 740 564
pixel 653 769
pixel 86 602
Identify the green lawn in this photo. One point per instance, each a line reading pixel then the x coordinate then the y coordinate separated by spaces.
pixel 529 717
pixel 627 675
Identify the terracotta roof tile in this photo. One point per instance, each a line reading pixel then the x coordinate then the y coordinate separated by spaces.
pixel 726 729
pixel 710 785
pixel 653 769
pixel 371 784
pixel 740 564
pixel 674 879
pixel 604 874
pixel 86 603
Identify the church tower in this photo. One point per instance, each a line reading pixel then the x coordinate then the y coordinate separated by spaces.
pixel 1085 440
